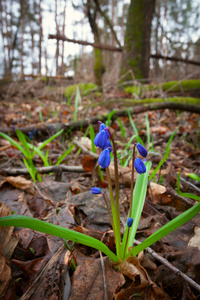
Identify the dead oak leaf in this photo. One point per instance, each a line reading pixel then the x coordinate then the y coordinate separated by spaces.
pixel 7 240
pixel 20 183
pixel 88 283
pixel 5 275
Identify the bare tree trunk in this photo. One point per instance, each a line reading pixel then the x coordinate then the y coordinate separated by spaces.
pixel 40 39
pixel 57 32
pixel 136 52
pixel 99 68
pixel 63 44
pixel 2 24
pixel 22 2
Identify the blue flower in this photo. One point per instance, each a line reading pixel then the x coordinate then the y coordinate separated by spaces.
pixel 104 158
pixel 129 222
pixel 103 127
pixel 108 145
pixel 95 190
pixel 101 139
pixel 141 150
pixel 13 127
pixel 31 134
pixel 140 166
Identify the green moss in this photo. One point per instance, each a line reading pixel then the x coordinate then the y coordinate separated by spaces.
pixel 99 68
pixel 85 89
pixel 186 86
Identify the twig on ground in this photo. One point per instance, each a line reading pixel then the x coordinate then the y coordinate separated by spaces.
pixel 42 170
pixel 171 267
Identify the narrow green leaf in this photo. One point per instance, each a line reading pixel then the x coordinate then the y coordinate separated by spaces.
pixel 52 229
pixel 13 142
pixel 24 142
pixel 110 117
pixel 50 139
pixel 193 176
pixel 166 229
pixel 92 136
pixel 64 155
pixel 77 98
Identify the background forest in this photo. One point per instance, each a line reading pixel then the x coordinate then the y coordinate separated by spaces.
pixel 99 149
pixel 163 34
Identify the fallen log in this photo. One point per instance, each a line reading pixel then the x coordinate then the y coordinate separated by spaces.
pixel 72 126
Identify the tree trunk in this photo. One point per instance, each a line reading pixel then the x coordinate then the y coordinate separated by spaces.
pixel 136 51
pixel 99 68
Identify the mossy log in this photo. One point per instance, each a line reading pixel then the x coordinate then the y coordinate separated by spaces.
pixel 185 86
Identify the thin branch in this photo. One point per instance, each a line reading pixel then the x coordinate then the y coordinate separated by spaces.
pixel 42 170
pixel 171 267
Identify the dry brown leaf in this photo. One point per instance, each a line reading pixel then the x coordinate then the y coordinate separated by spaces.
pixel 20 183
pixel 5 275
pixel 132 268
pixel 7 240
pixel 158 194
pixel 124 174
pixel 195 240
pixel 86 142
pixel 88 280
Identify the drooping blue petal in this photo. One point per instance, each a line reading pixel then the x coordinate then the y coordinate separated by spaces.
pixel 108 145
pixel 95 190
pixel 129 222
pixel 140 166
pixel 142 150
pixel 104 158
pixel 103 127
pixel 101 139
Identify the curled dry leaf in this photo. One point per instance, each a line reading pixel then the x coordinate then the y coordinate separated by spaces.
pixel 158 194
pixel 88 281
pixel 20 183
pixel 132 268
pixel 7 246
pixel 5 275
pixel 124 174
pixel 146 287
pixel 7 240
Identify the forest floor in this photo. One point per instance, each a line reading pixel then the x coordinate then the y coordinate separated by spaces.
pixel 37 265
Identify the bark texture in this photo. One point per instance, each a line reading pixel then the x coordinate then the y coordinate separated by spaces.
pixel 136 51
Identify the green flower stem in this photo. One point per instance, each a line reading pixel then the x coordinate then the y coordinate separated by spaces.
pixel 118 233
pixel 116 225
pixel 52 229
pixel 132 180
pixel 109 212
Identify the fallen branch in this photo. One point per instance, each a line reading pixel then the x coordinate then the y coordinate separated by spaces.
pixel 52 128
pixel 171 267
pixel 42 170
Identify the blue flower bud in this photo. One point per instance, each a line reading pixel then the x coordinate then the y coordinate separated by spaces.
pixel 31 134
pixel 101 139
pixel 140 166
pixel 104 158
pixel 141 150
pixel 95 190
pixel 102 127
pixel 108 145
pixel 129 222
